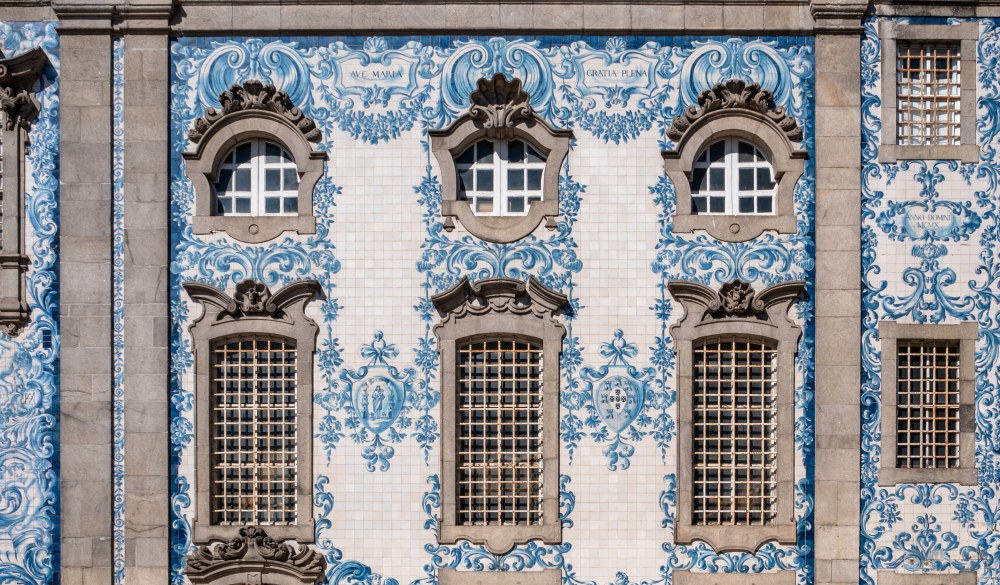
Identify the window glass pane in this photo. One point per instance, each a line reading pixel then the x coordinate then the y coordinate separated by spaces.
pixel 699 179
pixel 272 205
pixel 764 204
pixel 291 204
pixel 243 153
pixel 465 182
pixel 485 153
pixel 699 205
pixel 243 179
pixel 515 151
pixel 746 179
pixel 467 157
pixel 515 179
pixel 272 180
pixel 717 151
pixel 746 152
pixel 717 179
pixel 223 205
pixel 484 205
pixel 764 179
pixel 535 179
pixel 533 155
pixel 243 205
pixel 273 153
pixel 718 204
pixel 484 180
pixel 225 181
pixel 291 179
pixel 746 204
pixel 515 204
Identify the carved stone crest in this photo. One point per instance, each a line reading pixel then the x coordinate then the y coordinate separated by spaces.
pixel 255 95
pixel 19 107
pixel 252 554
pixel 735 94
pixel 736 297
pixel 499 103
pixel 252 297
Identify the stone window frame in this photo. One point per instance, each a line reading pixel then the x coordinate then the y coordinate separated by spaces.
pixel 253 310
pixel 688 577
pixel 735 108
pixel 736 309
pixel 967 34
pixel 542 577
pixel 509 308
pixel 248 111
pixel 499 110
pixel 18 109
pixel 966 334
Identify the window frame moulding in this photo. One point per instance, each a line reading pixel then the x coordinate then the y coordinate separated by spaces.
pixel 967 35
pixel 736 309
pixel 511 308
pixel 253 110
pixel 499 110
pixel 967 335
pixel 18 109
pixel 735 108
pixel 253 309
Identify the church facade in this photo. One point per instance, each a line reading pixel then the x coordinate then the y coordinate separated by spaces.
pixel 543 293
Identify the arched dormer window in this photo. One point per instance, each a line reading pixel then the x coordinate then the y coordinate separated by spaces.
pixel 253 166
pixel 735 164
pixel 500 164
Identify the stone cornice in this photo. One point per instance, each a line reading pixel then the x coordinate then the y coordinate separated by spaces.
pixel 838 16
pixel 255 96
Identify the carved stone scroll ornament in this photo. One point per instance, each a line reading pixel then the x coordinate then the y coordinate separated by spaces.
pixel 255 95
pixel 252 298
pixel 735 94
pixel 19 107
pixel 499 103
pixel 253 557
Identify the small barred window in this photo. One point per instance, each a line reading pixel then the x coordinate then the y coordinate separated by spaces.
pixel 253 431
pixel 927 404
pixel 928 92
pixel 257 177
pixel 734 435
pixel 499 443
pixel 500 178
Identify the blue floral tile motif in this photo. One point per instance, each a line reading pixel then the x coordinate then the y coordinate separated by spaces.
pixel 29 363
pixel 948 527
pixel 613 89
pixel 118 302
pixel 616 398
pixel 376 401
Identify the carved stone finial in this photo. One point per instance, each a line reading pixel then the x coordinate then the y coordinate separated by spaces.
pixel 498 103
pixel 19 107
pixel 736 297
pixel 254 552
pixel 732 94
pixel 252 297
pixel 255 95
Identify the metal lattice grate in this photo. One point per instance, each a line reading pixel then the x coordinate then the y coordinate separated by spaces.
pixel 499 446
pixel 253 431
pixel 927 404
pixel 734 411
pixel 928 92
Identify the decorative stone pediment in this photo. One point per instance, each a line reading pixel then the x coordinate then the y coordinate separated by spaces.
pixel 499 295
pixel 499 104
pixel 255 95
pixel 253 557
pixel 252 299
pixel 735 94
pixel 734 300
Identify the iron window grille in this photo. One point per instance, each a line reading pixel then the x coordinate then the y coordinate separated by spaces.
pixel 927 404
pixel 734 432
pixel 928 93
pixel 254 430
pixel 499 443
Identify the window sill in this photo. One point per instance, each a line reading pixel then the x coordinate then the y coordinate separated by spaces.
pixel 301 533
pixel 892 153
pixel 734 228
pixel 892 476
pixel 736 538
pixel 501 539
pixel 254 229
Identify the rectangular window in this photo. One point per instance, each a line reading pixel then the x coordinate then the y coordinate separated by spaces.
pixel 927 404
pixel 734 432
pixel 253 431
pixel 499 444
pixel 928 93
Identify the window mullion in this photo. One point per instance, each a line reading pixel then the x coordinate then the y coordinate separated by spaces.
pixel 500 164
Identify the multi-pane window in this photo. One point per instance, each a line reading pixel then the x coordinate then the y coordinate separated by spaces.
pixel 253 431
pixel 927 404
pixel 928 92
pixel 500 178
pixel 257 177
pixel 499 436
pixel 732 177
pixel 734 432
